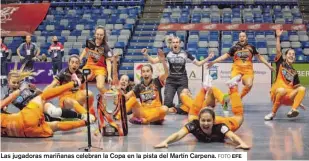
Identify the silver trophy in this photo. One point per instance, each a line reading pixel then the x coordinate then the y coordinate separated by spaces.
pixel 111 105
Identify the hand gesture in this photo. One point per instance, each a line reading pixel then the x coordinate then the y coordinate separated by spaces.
pixel 109 79
pixel 272 68
pixel 145 52
pixel 243 146
pixel 161 55
pixel 211 55
pixel 279 32
pixel 209 65
pixel 115 57
pixel 161 145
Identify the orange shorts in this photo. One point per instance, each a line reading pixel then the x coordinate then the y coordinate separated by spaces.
pixel 95 71
pixel 29 122
pixel 149 110
pixel 285 100
pixel 247 72
pixel 230 122
pixel 66 95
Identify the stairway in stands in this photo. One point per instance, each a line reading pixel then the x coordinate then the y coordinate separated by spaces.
pixel 143 36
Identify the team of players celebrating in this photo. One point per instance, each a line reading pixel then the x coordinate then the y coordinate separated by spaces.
pixel 39 118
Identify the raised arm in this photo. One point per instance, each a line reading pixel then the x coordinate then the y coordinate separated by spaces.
pixel 173 138
pixel 241 144
pixel 278 45
pixel 109 70
pixel 163 61
pixel 262 59
pixel 221 58
pixel 82 55
pixel 202 62
pixel 53 84
pixel 115 69
pixel 150 58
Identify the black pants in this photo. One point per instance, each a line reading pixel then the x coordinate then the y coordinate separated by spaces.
pixel 4 71
pixel 28 64
pixel 171 87
pixel 57 66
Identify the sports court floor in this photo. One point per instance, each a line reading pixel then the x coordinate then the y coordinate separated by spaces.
pixel 281 138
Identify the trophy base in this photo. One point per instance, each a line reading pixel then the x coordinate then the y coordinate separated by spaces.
pixel 109 130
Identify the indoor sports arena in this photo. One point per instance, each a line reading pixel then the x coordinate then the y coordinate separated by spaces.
pixel 193 76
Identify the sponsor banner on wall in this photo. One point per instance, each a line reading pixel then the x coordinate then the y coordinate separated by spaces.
pixel 22 19
pixel 194 74
pixel 241 27
pixel 221 72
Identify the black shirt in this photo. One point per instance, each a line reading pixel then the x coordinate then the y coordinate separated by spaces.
pixel 177 63
pixel 25 96
pixel 217 134
pixel 150 92
pixel 64 76
pixel 287 71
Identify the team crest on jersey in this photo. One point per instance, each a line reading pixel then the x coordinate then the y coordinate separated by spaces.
pixel 288 75
pixel 95 55
pixel 148 93
pixel 243 55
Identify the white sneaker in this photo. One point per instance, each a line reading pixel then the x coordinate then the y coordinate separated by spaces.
pixel 207 83
pixel 234 81
pixel 269 117
pixel 91 118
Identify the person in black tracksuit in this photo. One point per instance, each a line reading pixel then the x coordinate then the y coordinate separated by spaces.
pixel 4 54
pixel 28 52
pixel 177 79
pixel 56 51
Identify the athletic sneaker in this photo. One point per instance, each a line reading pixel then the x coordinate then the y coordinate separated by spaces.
pixel 226 99
pixel 234 81
pixel 292 113
pixel 269 117
pixel 207 83
pixel 135 120
pixel 91 118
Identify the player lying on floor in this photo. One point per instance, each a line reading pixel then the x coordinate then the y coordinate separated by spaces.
pixel 211 128
pixel 30 121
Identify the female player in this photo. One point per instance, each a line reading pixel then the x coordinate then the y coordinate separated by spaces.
pixel 211 128
pixel 242 54
pixel 150 110
pixel 207 97
pixel 98 61
pixel 30 121
pixel 29 92
pixel 287 89
pixel 177 79
pixel 76 97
